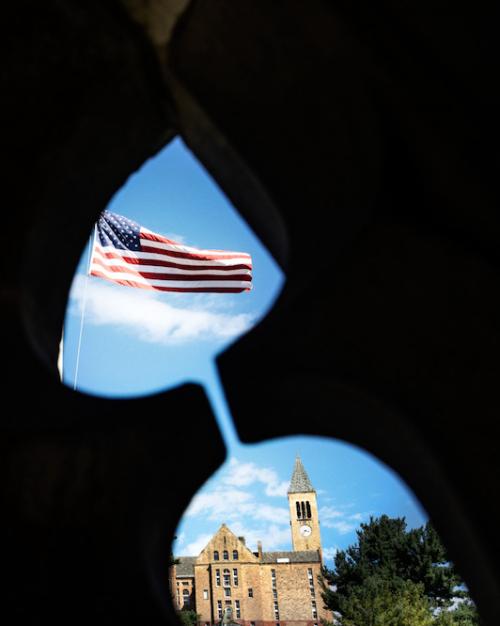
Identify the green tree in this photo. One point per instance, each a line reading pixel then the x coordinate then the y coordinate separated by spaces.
pixel 188 617
pixel 465 614
pixel 376 603
pixel 389 553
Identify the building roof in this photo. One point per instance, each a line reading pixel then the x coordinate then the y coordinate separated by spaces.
pixel 300 482
pixel 300 556
pixel 185 566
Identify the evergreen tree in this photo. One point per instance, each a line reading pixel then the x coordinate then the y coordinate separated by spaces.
pixel 465 614
pixel 377 604
pixel 388 557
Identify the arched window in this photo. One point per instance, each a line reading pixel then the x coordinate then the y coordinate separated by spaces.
pixel 308 507
pixel 303 508
pixel 216 555
pixel 225 555
pixel 235 555
pixel 297 504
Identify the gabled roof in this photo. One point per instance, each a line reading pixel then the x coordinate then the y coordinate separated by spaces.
pixel 185 566
pixel 245 554
pixel 300 482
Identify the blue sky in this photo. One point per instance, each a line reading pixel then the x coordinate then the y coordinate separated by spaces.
pixel 136 342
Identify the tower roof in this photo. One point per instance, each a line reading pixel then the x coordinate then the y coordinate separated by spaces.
pixel 300 482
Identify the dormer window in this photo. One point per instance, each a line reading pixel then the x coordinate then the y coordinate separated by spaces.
pixel 216 555
pixel 225 555
pixel 235 555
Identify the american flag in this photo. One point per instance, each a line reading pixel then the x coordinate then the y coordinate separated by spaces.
pixel 128 254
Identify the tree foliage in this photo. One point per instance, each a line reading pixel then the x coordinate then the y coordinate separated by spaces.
pixel 188 617
pixel 394 576
pixel 377 604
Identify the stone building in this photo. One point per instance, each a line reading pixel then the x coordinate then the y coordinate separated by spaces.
pixel 263 588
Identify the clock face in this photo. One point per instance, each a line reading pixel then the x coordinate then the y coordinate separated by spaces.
pixel 305 531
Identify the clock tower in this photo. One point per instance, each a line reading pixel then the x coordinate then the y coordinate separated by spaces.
pixel 303 511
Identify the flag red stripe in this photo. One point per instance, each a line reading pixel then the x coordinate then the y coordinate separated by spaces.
pixel 131 283
pixel 189 255
pixel 161 276
pixel 160 239
pixel 180 266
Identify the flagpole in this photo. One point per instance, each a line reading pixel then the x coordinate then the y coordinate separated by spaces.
pixel 90 252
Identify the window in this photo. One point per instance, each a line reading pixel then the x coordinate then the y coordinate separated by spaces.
pixel 205 594
pixel 297 504
pixel 276 611
pixel 225 555
pixel 227 592
pixel 226 578
pixel 237 607
pixel 303 509
pixel 275 593
pixel 219 608
pixel 235 577
pixel 311 581
pixel 185 583
pixel 250 592
pixel 314 610
pixel 235 555
pixel 227 602
pixel 216 555
pixel 217 577
pixel 185 593
pixel 308 507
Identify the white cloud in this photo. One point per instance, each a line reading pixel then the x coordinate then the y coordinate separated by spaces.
pixel 180 538
pixel 244 474
pixel 330 552
pixel 339 520
pixel 153 320
pixel 225 505
pixel 277 514
pixel 328 513
pixel 220 504
pixel 176 237
pixel 272 536
pixel 342 527
pixel 195 547
pixel 246 513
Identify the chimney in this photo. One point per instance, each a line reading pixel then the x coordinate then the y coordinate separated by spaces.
pixel 242 539
pixel 259 549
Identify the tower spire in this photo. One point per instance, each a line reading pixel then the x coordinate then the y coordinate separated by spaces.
pixel 300 482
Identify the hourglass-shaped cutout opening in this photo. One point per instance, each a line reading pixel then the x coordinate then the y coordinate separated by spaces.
pixel 170 277
pixel 306 530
